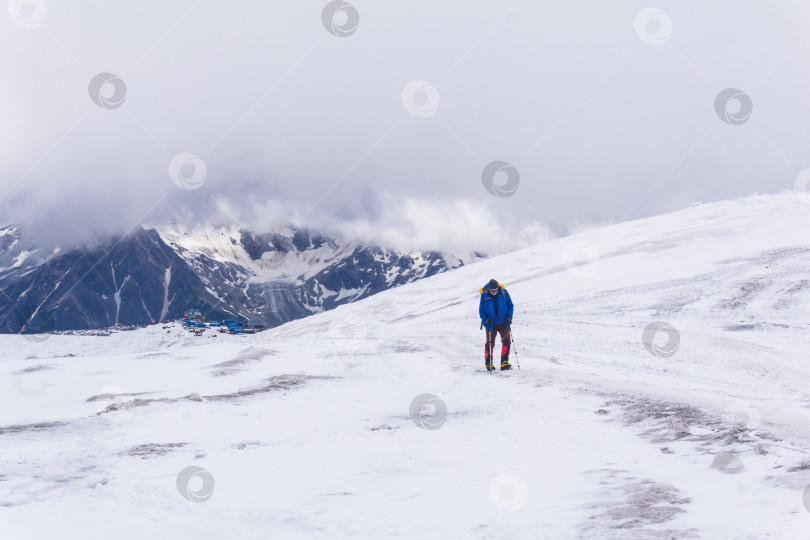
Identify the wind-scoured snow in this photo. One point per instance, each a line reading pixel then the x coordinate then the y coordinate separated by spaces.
pixel 307 432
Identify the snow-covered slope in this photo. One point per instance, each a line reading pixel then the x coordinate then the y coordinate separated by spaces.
pixel 226 244
pixel 314 429
pixel 14 251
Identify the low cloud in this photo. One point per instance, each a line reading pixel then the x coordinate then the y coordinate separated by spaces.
pixel 604 118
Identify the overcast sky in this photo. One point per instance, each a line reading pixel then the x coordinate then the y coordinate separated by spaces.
pixel 604 109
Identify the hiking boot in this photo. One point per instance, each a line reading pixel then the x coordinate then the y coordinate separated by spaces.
pixel 505 365
pixel 489 365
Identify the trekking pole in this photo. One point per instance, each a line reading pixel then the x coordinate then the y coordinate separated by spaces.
pixel 514 347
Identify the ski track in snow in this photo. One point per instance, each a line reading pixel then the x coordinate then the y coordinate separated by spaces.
pixel 305 428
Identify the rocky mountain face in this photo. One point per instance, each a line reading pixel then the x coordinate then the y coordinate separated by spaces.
pixel 226 272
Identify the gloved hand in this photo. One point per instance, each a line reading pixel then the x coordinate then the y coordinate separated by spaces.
pixel 508 321
pixel 488 323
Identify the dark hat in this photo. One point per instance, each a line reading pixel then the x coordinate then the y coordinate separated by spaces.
pixel 493 284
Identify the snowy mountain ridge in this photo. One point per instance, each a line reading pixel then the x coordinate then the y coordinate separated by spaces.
pixel 227 271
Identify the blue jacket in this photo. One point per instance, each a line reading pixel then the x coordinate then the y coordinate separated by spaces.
pixel 496 308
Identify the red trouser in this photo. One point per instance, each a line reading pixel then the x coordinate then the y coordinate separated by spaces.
pixel 506 341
